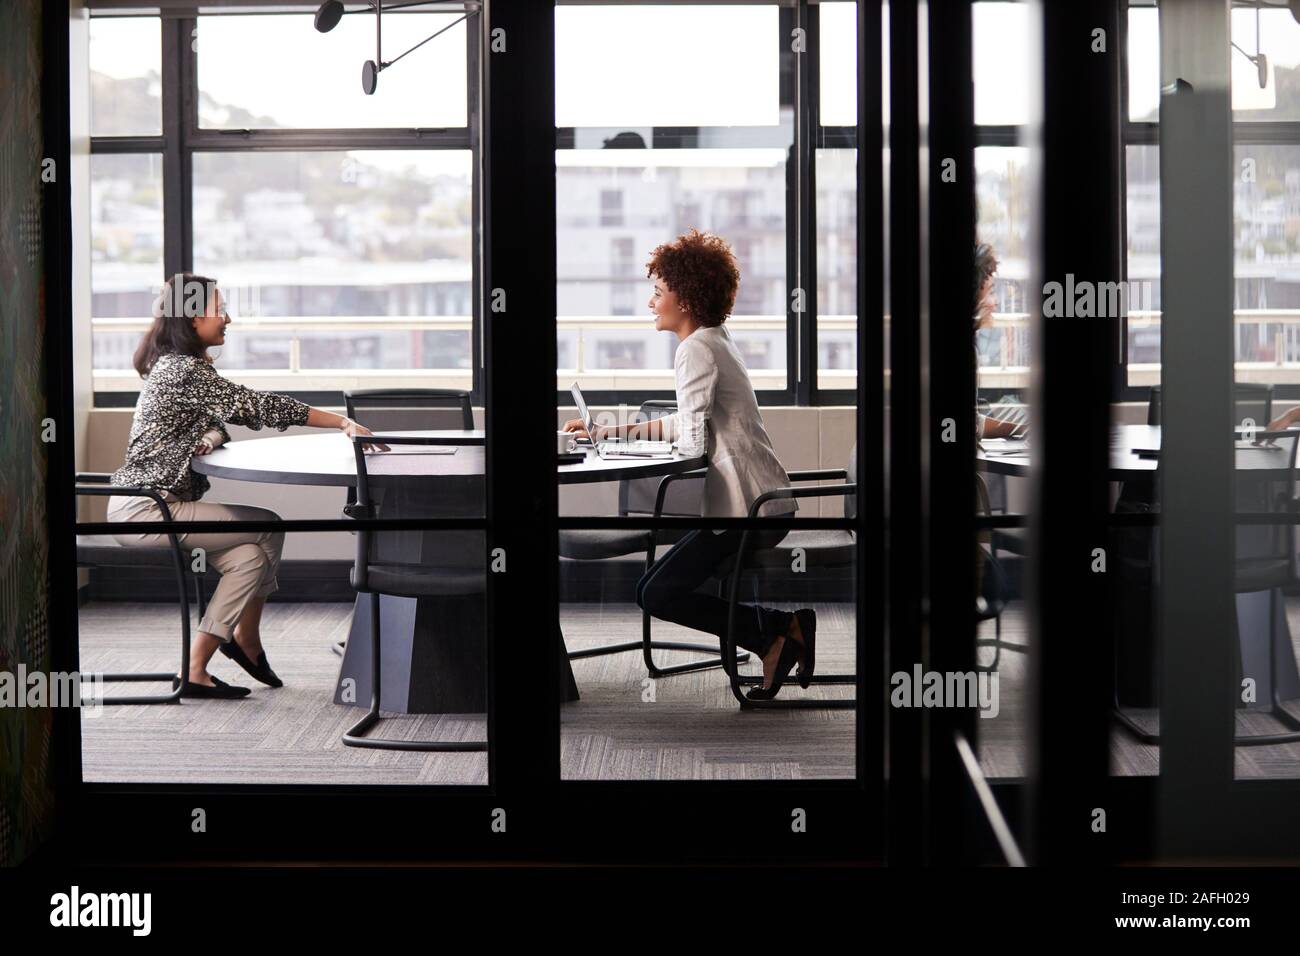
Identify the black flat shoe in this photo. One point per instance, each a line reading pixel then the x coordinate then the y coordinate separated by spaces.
pixel 260 671
pixel 219 690
pixel 789 657
pixel 808 631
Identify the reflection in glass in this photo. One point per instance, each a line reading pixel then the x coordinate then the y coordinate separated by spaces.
pixel 1002 195
pixel 1278 100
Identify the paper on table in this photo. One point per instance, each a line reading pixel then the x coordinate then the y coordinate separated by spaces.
pixel 416 450
pixel 1004 446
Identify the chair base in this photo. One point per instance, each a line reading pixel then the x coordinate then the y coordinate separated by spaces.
pixel 796 703
pixel 1278 712
pixel 654 670
pixel 172 698
pixel 354 738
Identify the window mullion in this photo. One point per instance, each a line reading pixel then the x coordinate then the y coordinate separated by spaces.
pixel 176 163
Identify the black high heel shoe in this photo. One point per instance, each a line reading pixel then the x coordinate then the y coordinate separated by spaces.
pixel 790 654
pixel 260 671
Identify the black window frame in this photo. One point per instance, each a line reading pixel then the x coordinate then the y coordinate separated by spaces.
pixel 182 137
pixel 522 517
pixel 799 87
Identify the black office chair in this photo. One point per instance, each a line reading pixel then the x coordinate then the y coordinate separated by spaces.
pixel 991 584
pixel 103 550
pixel 406 409
pixel 410 409
pixel 1265 560
pixel 822 548
pixel 640 496
pixel 374 574
pixel 1251 401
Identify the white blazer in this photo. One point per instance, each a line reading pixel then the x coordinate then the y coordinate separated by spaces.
pixel 717 413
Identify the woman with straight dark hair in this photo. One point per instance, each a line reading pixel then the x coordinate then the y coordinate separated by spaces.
pixel 183 410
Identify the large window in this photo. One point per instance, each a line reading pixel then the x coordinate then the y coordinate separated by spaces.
pixel 1266 197
pixel 646 154
pixel 344 224
pixel 341 226
pixel 126 77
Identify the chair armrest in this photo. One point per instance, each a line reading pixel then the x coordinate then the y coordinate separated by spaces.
pixel 667 480
pixel 108 491
pixel 818 474
pixel 354 510
pixel 821 491
pixel 93 477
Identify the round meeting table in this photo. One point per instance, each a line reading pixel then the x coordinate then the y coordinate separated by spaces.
pixel 1135 461
pixel 433 653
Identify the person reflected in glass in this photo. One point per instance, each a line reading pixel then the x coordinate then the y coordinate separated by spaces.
pixel 696 279
pixel 986 267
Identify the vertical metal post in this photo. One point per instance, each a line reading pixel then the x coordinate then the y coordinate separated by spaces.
pixel 519 236
pixel 947 179
pixel 871 576
pixel 1071 646
pixel 906 420
pixel 1196 599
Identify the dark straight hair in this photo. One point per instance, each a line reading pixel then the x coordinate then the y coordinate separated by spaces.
pixel 184 296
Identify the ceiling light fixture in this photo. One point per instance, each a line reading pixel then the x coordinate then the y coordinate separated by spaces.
pixel 331 12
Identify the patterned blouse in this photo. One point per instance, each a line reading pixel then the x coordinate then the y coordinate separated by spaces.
pixel 183 400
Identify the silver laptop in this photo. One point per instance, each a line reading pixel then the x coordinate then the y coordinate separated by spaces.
pixel 617 447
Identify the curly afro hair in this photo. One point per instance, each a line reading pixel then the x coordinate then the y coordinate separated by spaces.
pixel 701 269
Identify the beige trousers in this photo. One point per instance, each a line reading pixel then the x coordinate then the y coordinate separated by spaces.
pixel 248 560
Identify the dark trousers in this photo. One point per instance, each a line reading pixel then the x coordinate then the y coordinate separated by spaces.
pixel 668 590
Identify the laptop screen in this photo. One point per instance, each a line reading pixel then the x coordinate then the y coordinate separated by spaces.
pixel 581 402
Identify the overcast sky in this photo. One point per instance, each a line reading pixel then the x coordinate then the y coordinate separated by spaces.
pixel 627 66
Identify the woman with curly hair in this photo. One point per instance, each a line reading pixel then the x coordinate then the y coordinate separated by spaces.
pixel 986 266
pixel 695 283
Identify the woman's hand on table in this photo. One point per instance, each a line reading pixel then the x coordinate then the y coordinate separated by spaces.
pixel 352 429
pixel 204 447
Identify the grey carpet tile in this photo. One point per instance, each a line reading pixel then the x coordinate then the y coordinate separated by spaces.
pixel 288 735
pixel 693 729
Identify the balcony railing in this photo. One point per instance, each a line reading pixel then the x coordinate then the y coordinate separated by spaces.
pixel 577 331
pixel 1268 351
